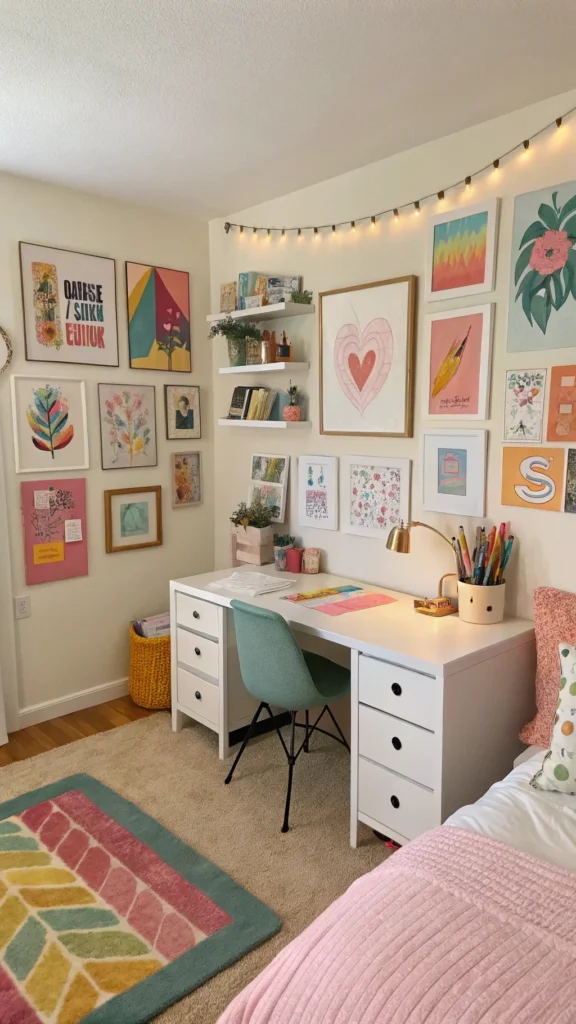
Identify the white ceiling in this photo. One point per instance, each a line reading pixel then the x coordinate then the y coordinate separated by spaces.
pixel 210 106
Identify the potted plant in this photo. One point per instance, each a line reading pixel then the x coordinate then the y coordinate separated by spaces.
pixel 236 333
pixel 252 539
pixel 282 541
pixel 302 296
pixel 292 411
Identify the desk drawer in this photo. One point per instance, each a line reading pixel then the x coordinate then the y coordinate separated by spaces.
pixel 396 803
pixel 198 653
pixel 198 696
pixel 405 748
pixel 198 615
pixel 400 692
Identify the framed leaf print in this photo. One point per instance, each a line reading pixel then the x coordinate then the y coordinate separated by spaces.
pixel 69 301
pixel 462 252
pixel 542 305
pixel 49 423
pixel 127 425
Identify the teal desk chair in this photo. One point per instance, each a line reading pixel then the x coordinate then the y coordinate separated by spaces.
pixel 275 671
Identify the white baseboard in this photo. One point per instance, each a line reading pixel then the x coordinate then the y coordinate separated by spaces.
pixel 36 713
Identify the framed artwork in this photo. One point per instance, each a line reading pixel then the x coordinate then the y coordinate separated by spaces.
pixel 542 304
pixel 69 301
pixel 133 518
pixel 49 423
pixel 570 489
pixel 269 482
pixel 182 412
pixel 562 404
pixel 533 477
pixel 54 520
pixel 318 491
pixel 524 405
pixel 462 252
pixel 127 425
pixel 459 365
pixel 158 318
pixel 455 471
pixel 186 479
pixel 367 358
pixel 375 494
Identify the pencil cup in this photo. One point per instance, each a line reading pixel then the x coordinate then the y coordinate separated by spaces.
pixel 481 605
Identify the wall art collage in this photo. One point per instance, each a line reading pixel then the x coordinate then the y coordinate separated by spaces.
pixel 70 317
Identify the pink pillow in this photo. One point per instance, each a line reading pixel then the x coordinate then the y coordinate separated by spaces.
pixel 555 623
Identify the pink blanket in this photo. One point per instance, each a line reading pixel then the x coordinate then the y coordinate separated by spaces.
pixel 452 929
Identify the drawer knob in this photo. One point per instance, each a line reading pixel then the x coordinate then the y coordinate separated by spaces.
pixel 396 743
pixel 196 615
pixel 197 651
pixel 198 695
pixel 395 802
pixel 396 689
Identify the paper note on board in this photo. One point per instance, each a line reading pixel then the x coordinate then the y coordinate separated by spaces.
pixel 41 499
pixel 44 553
pixel 72 530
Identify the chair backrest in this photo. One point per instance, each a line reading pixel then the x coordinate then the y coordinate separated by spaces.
pixel 271 662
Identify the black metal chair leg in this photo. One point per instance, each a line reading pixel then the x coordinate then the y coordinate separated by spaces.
pixel 306 747
pixel 247 737
pixel 291 763
pixel 342 736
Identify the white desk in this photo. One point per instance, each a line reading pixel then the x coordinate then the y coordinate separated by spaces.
pixel 436 704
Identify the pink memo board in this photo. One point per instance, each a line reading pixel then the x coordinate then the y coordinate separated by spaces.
pixel 46 505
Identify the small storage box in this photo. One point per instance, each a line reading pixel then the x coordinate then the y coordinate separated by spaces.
pixel 149 679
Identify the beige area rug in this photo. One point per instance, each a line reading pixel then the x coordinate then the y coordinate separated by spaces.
pixel 178 779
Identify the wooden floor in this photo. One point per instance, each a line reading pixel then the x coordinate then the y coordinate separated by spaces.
pixel 36 739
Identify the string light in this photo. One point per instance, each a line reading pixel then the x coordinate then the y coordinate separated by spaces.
pixel 523 146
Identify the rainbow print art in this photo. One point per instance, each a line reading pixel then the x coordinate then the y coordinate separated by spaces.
pixel 459 252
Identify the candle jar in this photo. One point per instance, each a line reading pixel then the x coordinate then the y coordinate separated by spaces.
pixel 294 559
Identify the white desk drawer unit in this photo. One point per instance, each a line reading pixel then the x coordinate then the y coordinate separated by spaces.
pixel 199 696
pixel 198 653
pixel 200 616
pixel 407 749
pixel 402 693
pixel 403 807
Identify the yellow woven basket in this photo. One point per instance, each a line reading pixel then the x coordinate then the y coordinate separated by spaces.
pixel 149 678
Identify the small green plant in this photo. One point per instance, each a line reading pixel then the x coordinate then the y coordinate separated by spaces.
pixel 283 540
pixel 293 393
pixel 257 514
pixel 304 297
pixel 236 330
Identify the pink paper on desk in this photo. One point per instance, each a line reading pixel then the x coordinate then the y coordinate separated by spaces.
pixel 355 604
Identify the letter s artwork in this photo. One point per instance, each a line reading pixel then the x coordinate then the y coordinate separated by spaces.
pixel 533 477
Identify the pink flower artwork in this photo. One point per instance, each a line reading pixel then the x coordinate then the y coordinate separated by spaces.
pixel 550 252
pixel 375 497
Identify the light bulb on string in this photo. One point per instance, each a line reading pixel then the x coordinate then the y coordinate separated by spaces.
pixel 558 122
pixel 396 215
pixel 333 229
pixel 227 226
pixel 353 225
pixel 468 182
pixel 254 231
pixel 441 195
pixel 241 229
pixel 417 207
pixel 373 221
pixel 496 166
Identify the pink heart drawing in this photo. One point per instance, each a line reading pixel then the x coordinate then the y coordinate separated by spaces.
pixel 362 361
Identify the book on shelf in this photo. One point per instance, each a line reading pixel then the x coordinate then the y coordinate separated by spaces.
pixel 238 402
pixel 251 403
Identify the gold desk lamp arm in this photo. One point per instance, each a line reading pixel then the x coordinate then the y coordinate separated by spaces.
pixel 446 575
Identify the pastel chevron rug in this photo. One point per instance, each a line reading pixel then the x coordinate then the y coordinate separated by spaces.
pixel 106 917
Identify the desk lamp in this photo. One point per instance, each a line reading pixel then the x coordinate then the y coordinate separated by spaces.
pixel 399 541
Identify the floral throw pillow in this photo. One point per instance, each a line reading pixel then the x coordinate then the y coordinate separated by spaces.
pixel 558 770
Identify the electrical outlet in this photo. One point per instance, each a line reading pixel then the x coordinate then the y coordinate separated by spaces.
pixel 22 607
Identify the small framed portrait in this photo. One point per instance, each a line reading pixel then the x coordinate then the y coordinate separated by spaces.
pixel 182 412
pixel 133 518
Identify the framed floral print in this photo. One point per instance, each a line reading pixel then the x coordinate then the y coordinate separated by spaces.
pixel 375 494
pixel 186 479
pixel 127 425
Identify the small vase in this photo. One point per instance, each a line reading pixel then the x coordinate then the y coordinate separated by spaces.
pixel 292 413
pixel 280 557
pixel 294 559
pixel 237 351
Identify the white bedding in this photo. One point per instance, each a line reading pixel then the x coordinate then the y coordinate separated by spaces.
pixel 542 824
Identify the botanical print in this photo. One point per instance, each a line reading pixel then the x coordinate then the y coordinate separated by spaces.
pixel 374 496
pixel 570 494
pixel 366 358
pixel 134 520
pixel 48 417
pixel 316 493
pixel 69 306
pixel 271 495
pixel 524 409
pixel 542 310
pixel 461 251
pixel 49 422
pixel 48 509
pixel 185 479
pixel 271 468
pixel 452 471
pixel 562 404
pixel 533 478
pixel 158 318
pixel 182 412
pixel 271 472
pixel 460 342
pixel 127 426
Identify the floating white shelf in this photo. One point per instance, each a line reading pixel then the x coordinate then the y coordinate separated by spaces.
pixel 260 313
pixel 264 368
pixel 274 424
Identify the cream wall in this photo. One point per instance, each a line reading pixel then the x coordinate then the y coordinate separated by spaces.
pixel 393 250
pixel 77 636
